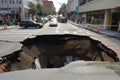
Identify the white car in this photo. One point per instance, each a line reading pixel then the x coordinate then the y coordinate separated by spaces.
pixel 53 22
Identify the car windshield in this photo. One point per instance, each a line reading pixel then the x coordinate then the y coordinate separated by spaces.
pixel 34 22
pixel 59 39
pixel 53 20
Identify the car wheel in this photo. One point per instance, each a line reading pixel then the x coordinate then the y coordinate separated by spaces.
pixel 38 27
pixel 26 27
pixel 23 27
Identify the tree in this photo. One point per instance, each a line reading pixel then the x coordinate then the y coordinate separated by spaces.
pixel 62 9
pixel 39 9
pixel 32 8
pixel 47 11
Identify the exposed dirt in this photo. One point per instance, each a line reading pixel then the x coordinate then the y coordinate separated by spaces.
pixel 55 51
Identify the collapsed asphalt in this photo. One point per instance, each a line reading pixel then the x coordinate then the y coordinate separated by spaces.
pixel 52 51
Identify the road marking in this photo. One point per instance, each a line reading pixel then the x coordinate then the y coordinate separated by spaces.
pixel 57 30
pixel 32 34
pixel 75 32
pixel 73 26
pixel 14 33
pixel 66 32
pixel 90 33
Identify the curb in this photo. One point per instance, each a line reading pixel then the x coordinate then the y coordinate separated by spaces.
pixel 93 30
pixel 2 28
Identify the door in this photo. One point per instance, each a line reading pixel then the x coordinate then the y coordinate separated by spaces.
pixel 115 21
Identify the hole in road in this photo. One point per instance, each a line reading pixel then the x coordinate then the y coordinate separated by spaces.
pixel 54 51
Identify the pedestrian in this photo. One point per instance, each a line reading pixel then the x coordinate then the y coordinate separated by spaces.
pixel 16 22
pixel 80 20
pixel 13 21
pixel 77 21
pixel 73 19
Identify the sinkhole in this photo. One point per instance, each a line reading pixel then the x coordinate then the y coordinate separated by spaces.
pixel 55 51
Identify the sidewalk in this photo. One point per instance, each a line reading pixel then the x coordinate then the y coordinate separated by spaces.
pixel 99 30
pixel 8 27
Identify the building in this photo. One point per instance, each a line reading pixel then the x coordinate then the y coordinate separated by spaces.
pixel 72 7
pixel 49 5
pixel 100 13
pixel 44 0
pixel 13 10
pixel 39 1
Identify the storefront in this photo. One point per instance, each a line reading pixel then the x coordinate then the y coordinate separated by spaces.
pixel 115 19
pixel 95 17
pixel 9 15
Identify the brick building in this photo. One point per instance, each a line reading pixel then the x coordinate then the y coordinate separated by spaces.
pixel 49 5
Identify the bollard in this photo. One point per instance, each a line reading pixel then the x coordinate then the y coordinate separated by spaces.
pixel 90 28
pixel 97 30
pixel 5 26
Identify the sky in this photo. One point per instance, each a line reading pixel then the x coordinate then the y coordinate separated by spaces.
pixel 58 3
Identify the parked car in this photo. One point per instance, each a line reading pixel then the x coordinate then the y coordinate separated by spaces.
pixel 26 24
pixel 53 22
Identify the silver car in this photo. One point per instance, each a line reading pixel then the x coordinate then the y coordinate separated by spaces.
pixel 53 22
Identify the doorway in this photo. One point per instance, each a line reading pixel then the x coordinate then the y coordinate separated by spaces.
pixel 115 21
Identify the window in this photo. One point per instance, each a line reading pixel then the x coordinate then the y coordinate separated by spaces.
pixel 10 1
pixel 89 0
pixel 2 1
pixel 5 1
pixel 19 1
pixel 13 1
pixel 82 2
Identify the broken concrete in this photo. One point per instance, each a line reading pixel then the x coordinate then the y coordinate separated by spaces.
pixel 7 47
pixel 55 51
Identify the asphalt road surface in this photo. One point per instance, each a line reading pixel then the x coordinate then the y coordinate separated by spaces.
pixel 18 34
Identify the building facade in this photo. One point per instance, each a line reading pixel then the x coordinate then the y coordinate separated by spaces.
pixel 49 5
pixel 100 13
pixel 13 10
pixel 72 9
pixel 39 1
pixel 44 0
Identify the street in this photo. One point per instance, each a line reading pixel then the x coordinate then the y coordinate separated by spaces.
pixel 62 45
pixel 64 40
pixel 18 34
